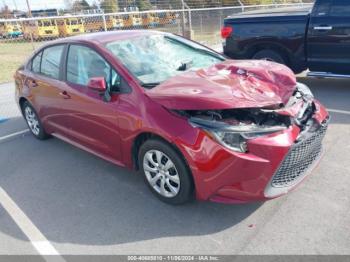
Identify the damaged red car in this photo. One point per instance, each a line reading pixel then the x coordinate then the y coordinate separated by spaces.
pixel 194 123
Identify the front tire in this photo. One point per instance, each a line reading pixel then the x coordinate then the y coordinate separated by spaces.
pixel 33 121
pixel 165 172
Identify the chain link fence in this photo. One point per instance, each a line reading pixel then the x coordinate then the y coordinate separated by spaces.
pixel 20 36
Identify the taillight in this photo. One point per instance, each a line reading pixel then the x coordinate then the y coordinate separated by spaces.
pixel 226 31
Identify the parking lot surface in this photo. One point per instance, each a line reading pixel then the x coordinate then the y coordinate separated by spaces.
pixel 85 205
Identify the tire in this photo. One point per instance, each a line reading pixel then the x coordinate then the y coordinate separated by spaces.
pixel 33 121
pixel 270 55
pixel 171 182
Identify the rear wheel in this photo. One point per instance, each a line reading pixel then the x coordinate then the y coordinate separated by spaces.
pixel 165 172
pixel 270 55
pixel 33 121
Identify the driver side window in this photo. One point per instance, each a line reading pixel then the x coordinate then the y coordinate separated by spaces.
pixel 84 63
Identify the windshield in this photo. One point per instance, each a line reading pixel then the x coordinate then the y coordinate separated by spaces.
pixel 153 59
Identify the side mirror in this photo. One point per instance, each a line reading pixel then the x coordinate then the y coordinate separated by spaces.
pixel 97 84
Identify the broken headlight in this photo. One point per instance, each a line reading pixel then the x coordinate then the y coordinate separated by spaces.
pixel 233 137
pixel 304 90
pixel 233 141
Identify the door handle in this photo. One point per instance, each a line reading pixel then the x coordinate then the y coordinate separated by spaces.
pixel 32 83
pixel 323 27
pixel 64 94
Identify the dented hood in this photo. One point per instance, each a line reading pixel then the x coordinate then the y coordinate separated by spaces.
pixel 227 85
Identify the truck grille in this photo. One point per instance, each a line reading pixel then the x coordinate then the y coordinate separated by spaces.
pixel 300 157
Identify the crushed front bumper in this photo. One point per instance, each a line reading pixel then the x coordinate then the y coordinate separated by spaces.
pixel 302 157
pixel 274 164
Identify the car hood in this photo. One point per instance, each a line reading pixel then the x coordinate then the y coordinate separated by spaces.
pixel 227 85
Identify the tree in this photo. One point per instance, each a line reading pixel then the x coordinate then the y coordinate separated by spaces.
pixel 109 6
pixel 80 5
pixel 143 5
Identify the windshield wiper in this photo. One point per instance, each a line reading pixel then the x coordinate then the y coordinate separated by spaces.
pixel 185 65
pixel 150 85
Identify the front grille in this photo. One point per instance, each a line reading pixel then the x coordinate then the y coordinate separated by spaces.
pixel 300 157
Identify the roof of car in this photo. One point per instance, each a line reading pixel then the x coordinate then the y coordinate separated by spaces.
pixel 105 37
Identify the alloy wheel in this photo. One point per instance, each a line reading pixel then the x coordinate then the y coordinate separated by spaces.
pixel 32 120
pixel 161 173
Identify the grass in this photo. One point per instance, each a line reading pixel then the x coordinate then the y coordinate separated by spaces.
pixel 12 55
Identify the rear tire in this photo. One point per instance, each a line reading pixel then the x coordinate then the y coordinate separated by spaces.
pixel 165 172
pixel 33 121
pixel 270 55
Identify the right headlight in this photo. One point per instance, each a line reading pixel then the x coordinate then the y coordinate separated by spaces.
pixel 305 90
pixel 233 141
pixel 234 137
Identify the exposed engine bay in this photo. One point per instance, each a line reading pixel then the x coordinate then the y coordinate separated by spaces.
pixel 233 127
pixel 258 117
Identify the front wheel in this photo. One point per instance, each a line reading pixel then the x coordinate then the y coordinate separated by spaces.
pixel 165 172
pixel 33 121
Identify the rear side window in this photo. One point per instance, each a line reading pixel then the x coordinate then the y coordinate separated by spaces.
pixel 340 8
pixel 50 61
pixel 36 63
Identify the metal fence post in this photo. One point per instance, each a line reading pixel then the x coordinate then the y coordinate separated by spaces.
pixel 104 21
pixel 183 20
pixel 190 22
pixel 31 33
pixel 241 4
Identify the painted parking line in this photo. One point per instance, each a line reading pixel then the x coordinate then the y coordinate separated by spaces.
pixel 338 111
pixel 37 239
pixel 3 138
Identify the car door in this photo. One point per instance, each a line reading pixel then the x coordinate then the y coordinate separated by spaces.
pixel 91 119
pixel 43 81
pixel 329 37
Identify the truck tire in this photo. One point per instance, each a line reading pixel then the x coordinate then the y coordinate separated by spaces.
pixel 270 55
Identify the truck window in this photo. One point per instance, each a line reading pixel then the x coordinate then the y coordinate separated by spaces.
pixel 340 8
pixel 322 7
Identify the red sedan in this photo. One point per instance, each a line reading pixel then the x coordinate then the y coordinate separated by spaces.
pixel 193 122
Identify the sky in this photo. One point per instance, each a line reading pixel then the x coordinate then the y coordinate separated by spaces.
pixel 35 4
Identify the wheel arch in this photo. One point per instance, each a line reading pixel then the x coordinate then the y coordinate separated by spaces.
pixel 21 102
pixel 253 49
pixel 142 138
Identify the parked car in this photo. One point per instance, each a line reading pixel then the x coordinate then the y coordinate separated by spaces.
pixel 193 122
pixel 318 40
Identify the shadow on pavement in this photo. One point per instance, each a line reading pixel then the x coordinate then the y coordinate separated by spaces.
pixel 74 197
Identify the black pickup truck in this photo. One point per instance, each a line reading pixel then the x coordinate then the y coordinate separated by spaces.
pixel 316 38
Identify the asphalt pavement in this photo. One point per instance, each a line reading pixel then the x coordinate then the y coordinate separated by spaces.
pixel 84 205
